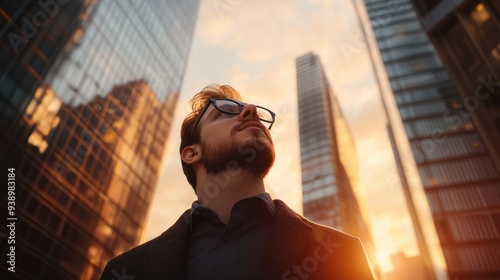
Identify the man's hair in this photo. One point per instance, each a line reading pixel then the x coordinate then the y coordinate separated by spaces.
pixel 198 102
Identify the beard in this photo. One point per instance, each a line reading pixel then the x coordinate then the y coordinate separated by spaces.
pixel 254 154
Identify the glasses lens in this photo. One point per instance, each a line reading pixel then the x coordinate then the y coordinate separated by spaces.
pixel 227 106
pixel 264 114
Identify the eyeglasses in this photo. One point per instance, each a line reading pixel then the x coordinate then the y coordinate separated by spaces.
pixel 234 108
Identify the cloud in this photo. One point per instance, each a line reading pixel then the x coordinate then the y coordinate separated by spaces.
pixel 262 30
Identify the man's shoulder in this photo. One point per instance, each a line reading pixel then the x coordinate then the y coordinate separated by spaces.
pixel 316 229
pixel 339 234
pixel 152 256
pixel 337 255
pixel 140 251
pixel 132 262
pixel 171 235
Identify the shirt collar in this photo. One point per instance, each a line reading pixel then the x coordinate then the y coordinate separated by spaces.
pixel 264 197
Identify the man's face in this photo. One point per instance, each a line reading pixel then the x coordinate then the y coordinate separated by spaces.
pixel 242 139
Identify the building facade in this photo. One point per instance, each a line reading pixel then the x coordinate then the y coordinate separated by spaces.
pixel 88 90
pixel 463 33
pixel 455 161
pixel 422 243
pixel 330 183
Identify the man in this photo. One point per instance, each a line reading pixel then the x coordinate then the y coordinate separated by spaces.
pixel 235 230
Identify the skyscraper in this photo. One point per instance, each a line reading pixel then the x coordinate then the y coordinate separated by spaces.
pixel 329 165
pixel 463 33
pixel 455 164
pixel 87 94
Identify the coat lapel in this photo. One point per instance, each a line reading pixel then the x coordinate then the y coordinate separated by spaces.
pixel 289 229
pixel 172 250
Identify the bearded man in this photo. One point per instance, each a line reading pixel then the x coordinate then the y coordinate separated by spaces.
pixel 235 230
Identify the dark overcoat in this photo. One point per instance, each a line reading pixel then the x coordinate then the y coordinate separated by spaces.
pixel 298 249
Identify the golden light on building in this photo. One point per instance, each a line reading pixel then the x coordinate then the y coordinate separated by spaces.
pixel 41 114
pixel 479 14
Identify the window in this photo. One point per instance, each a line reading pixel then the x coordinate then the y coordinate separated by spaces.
pixel 439 125
pixel 452 146
pixel 422 94
pixel 459 172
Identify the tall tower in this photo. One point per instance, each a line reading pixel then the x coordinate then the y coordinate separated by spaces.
pixel 454 160
pixel 463 33
pixel 88 90
pixel 330 182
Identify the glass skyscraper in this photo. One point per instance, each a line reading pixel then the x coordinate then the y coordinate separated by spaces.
pixel 456 166
pixel 87 94
pixel 328 157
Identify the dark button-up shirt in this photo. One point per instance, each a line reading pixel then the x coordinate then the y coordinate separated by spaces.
pixel 232 251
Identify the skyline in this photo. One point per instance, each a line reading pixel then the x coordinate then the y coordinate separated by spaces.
pixel 386 123
pixel 262 63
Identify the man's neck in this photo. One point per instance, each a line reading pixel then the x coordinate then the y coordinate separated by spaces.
pixel 220 192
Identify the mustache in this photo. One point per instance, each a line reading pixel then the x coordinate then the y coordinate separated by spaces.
pixel 237 127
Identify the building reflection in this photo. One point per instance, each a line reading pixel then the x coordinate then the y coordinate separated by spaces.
pixel 330 183
pixel 87 104
pixel 99 171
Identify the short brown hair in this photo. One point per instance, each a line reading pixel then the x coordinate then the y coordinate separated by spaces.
pixel 198 102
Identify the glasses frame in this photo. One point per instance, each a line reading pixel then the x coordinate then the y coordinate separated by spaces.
pixel 240 105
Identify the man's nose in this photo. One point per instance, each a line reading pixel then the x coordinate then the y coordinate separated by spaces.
pixel 249 112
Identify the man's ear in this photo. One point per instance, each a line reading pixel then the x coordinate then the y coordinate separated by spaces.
pixel 191 154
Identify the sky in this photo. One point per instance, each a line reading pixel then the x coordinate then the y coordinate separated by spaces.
pixel 252 46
